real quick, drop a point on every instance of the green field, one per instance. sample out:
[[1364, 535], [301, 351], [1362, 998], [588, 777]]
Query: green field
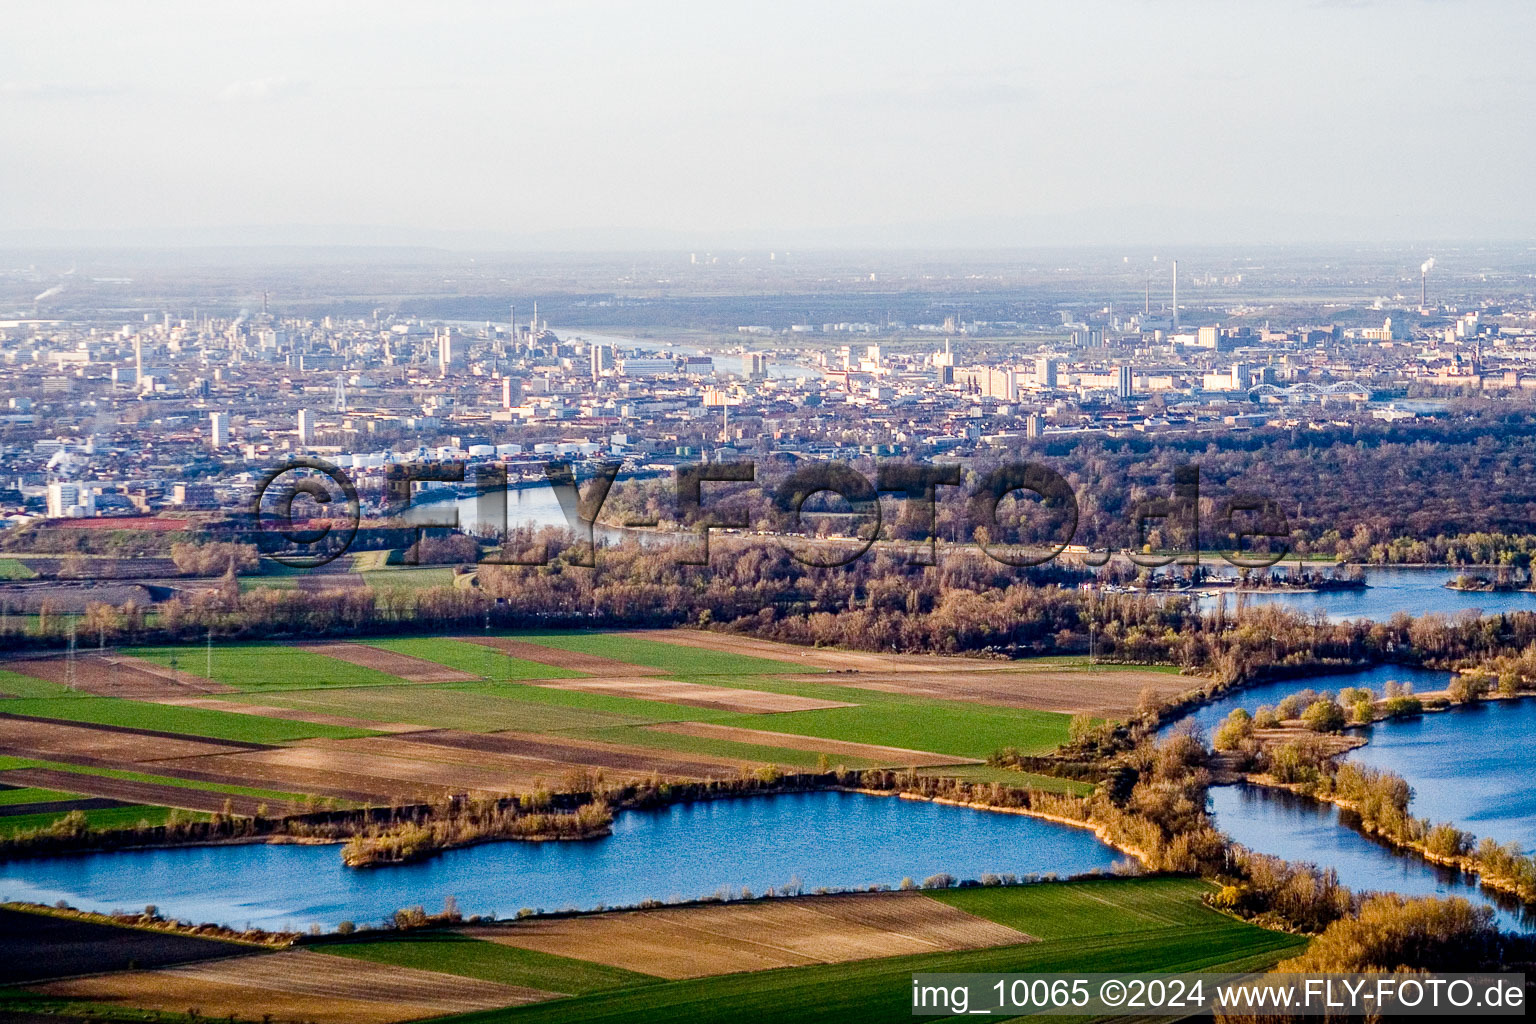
[[670, 658], [787, 757], [301, 679], [31, 795], [265, 666], [101, 818], [369, 561], [15, 569], [484, 707], [473, 658], [405, 577], [491, 961], [203, 722], [946, 727], [1010, 777], [1098, 907], [1106, 925], [18, 685]]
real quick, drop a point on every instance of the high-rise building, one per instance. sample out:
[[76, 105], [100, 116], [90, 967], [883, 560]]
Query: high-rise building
[[755, 365], [1125, 385], [1034, 425], [306, 427], [1045, 372], [447, 357], [602, 360], [511, 392], [218, 429], [69, 499]]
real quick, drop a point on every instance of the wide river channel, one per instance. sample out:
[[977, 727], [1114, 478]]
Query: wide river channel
[[1468, 766]]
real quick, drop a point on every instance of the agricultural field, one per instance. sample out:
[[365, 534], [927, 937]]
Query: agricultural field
[[841, 957], [1075, 927], [700, 941], [379, 720], [262, 666], [297, 985], [77, 946], [15, 569]]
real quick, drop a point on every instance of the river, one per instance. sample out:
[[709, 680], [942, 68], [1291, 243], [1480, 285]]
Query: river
[[832, 839], [1390, 590], [1299, 829]]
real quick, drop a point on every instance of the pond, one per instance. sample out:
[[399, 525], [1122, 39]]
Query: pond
[[831, 839]]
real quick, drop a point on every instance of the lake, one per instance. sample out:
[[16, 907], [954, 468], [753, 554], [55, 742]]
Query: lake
[[1298, 829], [831, 839], [1469, 766]]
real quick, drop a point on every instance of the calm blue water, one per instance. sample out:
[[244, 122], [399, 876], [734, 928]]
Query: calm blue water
[[688, 850], [1375, 679], [1470, 766], [1392, 590], [1298, 829]]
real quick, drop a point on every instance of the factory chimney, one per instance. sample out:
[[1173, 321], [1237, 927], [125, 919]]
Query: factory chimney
[[1175, 294], [1424, 270]]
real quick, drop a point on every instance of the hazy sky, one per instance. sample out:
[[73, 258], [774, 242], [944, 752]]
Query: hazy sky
[[726, 121]]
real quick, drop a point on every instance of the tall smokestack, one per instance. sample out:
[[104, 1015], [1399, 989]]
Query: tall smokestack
[[1175, 294], [1424, 269]]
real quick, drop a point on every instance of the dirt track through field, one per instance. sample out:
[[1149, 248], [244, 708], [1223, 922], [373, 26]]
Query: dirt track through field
[[112, 675], [691, 942], [30, 737], [153, 793], [894, 756], [415, 670], [571, 660], [696, 695], [300, 985]]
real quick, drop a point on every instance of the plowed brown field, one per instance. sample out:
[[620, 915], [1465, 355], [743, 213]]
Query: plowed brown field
[[24, 737], [690, 942], [111, 675], [299, 986], [415, 670]]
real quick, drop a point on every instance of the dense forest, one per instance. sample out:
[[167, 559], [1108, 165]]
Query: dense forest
[[1447, 489]]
